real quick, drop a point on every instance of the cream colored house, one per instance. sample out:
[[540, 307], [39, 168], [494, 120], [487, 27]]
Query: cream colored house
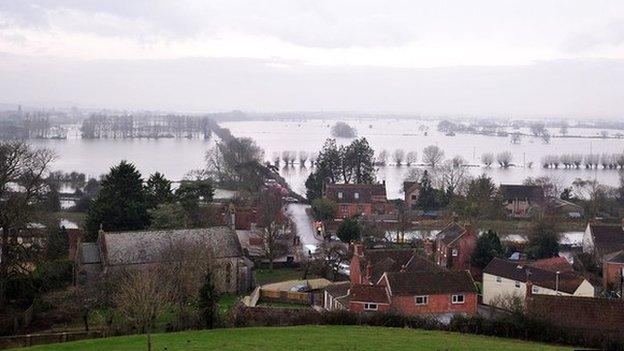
[[502, 278]]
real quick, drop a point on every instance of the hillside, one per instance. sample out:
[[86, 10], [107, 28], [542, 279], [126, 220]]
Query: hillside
[[304, 338]]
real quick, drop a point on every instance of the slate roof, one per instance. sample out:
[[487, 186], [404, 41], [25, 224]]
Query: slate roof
[[142, 247], [615, 257], [369, 293], [430, 283], [409, 186], [365, 192], [89, 253], [607, 238], [534, 193], [568, 281], [451, 233]]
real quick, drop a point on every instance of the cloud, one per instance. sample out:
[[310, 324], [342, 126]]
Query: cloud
[[606, 36]]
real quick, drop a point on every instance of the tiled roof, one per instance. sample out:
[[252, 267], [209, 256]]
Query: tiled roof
[[615, 257], [147, 246], [553, 264], [338, 289], [521, 192], [451, 233], [369, 293], [365, 192], [384, 260], [607, 238], [409, 186], [430, 283], [579, 312], [568, 281]]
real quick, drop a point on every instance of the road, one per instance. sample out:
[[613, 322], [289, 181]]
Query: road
[[303, 223]]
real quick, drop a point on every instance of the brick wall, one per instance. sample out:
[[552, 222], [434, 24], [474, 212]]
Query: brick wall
[[436, 304], [611, 274], [359, 307]]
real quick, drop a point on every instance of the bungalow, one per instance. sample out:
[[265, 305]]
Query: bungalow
[[502, 279], [521, 200], [600, 239], [359, 199], [143, 248], [454, 245]]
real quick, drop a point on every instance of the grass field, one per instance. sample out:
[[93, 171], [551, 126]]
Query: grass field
[[304, 338]]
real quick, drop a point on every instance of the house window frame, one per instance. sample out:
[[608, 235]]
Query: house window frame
[[454, 252], [425, 300], [499, 279], [455, 299], [370, 306], [356, 195], [517, 284], [340, 195]]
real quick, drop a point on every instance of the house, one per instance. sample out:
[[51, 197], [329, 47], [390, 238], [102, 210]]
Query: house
[[601, 239], [552, 264], [593, 316], [522, 200], [613, 271], [566, 208], [503, 278], [359, 199], [144, 248], [411, 191], [401, 281], [454, 245]]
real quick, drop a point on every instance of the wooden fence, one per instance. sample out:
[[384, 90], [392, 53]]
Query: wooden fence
[[286, 296]]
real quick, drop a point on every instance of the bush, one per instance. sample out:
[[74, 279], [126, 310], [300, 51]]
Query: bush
[[52, 275]]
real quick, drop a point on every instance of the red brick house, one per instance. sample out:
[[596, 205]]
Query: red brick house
[[454, 245], [612, 271], [600, 240], [359, 199], [521, 201], [403, 282]]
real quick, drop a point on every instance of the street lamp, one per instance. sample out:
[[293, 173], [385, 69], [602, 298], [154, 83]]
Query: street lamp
[[557, 283]]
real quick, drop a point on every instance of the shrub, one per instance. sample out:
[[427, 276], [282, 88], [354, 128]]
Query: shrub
[[52, 275]]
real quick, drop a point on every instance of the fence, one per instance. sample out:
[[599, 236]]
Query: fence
[[47, 338], [285, 296]]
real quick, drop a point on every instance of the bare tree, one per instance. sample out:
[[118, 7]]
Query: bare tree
[[327, 259], [142, 297], [303, 157], [458, 161], [312, 156], [487, 159], [451, 175], [432, 155], [411, 157], [22, 190], [546, 137], [516, 138], [398, 156], [382, 158], [504, 159], [276, 159], [272, 223]]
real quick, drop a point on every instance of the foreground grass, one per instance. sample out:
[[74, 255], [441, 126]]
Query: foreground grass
[[304, 338]]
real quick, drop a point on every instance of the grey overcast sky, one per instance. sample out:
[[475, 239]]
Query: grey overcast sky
[[498, 57]]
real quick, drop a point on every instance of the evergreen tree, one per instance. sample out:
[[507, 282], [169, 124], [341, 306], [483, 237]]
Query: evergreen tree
[[488, 246], [427, 196], [57, 244], [349, 230], [359, 159], [543, 240], [158, 190], [120, 204], [207, 301]]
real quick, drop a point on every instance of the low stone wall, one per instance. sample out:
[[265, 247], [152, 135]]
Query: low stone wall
[[46, 338]]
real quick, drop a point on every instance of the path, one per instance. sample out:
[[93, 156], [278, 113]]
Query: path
[[303, 223]]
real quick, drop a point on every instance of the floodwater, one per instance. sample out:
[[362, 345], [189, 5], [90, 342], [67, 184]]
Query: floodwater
[[175, 157]]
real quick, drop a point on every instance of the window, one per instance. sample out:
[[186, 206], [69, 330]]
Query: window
[[356, 195], [414, 197], [499, 279], [459, 298], [455, 252], [340, 194], [370, 307], [535, 289], [422, 300], [517, 284]]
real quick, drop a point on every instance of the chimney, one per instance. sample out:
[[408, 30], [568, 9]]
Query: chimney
[[358, 250], [369, 273], [529, 289]]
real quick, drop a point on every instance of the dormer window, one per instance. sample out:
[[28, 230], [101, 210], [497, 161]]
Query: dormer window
[[455, 252]]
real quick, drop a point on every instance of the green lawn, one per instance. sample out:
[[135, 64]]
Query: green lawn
[[304, 338]]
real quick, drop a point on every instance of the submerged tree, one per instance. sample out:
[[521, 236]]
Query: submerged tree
[[432, 155]]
